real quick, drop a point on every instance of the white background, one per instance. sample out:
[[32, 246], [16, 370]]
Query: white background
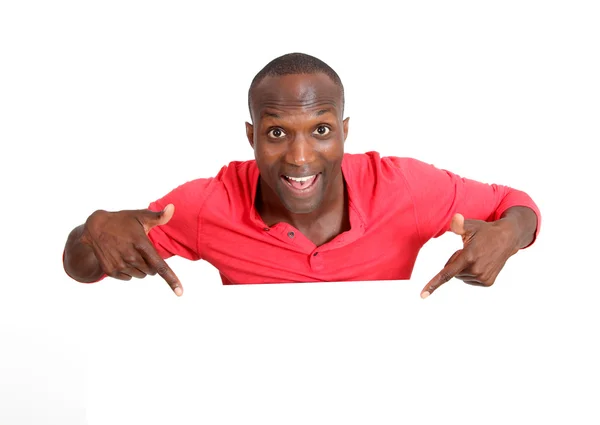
[[112, 104]]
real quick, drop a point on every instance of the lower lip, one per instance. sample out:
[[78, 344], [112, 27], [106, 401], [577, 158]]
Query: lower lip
[[306, 191]]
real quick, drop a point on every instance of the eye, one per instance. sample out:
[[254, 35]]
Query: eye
[[322, 130], [276, 133]]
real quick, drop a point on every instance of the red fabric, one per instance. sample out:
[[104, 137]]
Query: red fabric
[[396, 206]]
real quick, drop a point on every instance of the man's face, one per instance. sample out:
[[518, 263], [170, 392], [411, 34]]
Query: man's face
[[298, 137]]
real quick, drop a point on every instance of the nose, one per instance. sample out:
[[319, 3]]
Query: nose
[[301, 151]]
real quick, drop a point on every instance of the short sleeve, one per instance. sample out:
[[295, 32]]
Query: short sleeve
[[180, 236], [438, 194]]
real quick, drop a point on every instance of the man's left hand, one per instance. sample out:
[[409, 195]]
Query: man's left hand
[[486, 248]]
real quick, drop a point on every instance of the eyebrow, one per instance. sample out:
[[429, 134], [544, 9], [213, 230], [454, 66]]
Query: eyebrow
[[318, 113], [323, 111]]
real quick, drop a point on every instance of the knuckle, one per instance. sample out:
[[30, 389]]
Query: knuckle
[[130, 259], [445, 277], [470, 259], [139, 246], [96, 214], [162, 269], [477, 269], [95, 220], [121, 266]]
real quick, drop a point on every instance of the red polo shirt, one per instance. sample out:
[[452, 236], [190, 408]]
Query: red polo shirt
[[396, 206]]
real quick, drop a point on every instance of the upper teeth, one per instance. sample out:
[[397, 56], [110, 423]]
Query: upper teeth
[[300, 179]]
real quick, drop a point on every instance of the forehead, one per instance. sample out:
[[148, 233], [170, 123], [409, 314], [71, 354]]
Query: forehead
[[296, 93]]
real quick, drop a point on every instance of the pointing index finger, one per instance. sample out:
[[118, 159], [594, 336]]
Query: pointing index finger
[[454, 267], [162, 268]]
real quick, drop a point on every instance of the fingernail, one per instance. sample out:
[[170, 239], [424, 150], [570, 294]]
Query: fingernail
[[425, 294], [178, 291]]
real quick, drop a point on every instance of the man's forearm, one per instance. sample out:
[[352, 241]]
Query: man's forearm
[[80, 262], [525, 222]]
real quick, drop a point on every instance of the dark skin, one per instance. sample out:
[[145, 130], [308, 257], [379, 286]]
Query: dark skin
[[298, 131], [116, 243], [291, 104], [486, 247]]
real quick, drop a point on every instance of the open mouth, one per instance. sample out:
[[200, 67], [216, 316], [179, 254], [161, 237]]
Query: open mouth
[[301, 184]]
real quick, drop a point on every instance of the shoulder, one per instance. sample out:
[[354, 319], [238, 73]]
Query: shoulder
[[232, 181], [239, 173], [373, 166]]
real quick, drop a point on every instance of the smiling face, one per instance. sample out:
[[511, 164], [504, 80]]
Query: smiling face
[[298, 139]]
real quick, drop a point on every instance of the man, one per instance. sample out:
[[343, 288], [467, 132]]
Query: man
[[305, 211]]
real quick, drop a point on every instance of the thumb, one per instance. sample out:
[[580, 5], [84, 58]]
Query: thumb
[[465, 228], [457, 225], [150, 219]]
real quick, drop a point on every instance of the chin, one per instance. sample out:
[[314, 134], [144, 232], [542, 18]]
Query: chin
[[300, 204]]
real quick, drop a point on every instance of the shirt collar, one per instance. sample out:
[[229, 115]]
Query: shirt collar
[[356, 213]]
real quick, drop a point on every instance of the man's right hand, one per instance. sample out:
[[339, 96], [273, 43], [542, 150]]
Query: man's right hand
[[121, 245]]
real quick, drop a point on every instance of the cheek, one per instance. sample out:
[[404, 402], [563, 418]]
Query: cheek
[[266, 157], [262, 150], [334, 151]]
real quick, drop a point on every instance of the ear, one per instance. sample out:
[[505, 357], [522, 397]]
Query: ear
[[250, 134], [346, 128]]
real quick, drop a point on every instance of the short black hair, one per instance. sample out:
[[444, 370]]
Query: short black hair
[[293, 64]]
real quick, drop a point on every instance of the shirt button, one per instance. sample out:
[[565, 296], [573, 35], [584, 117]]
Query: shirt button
[[315, 254], [266, 229], [291, 234]]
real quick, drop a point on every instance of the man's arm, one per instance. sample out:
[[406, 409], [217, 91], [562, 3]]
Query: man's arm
[[494, 221], [525, 223], [135, 243], [439, 194], [115, 244]]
